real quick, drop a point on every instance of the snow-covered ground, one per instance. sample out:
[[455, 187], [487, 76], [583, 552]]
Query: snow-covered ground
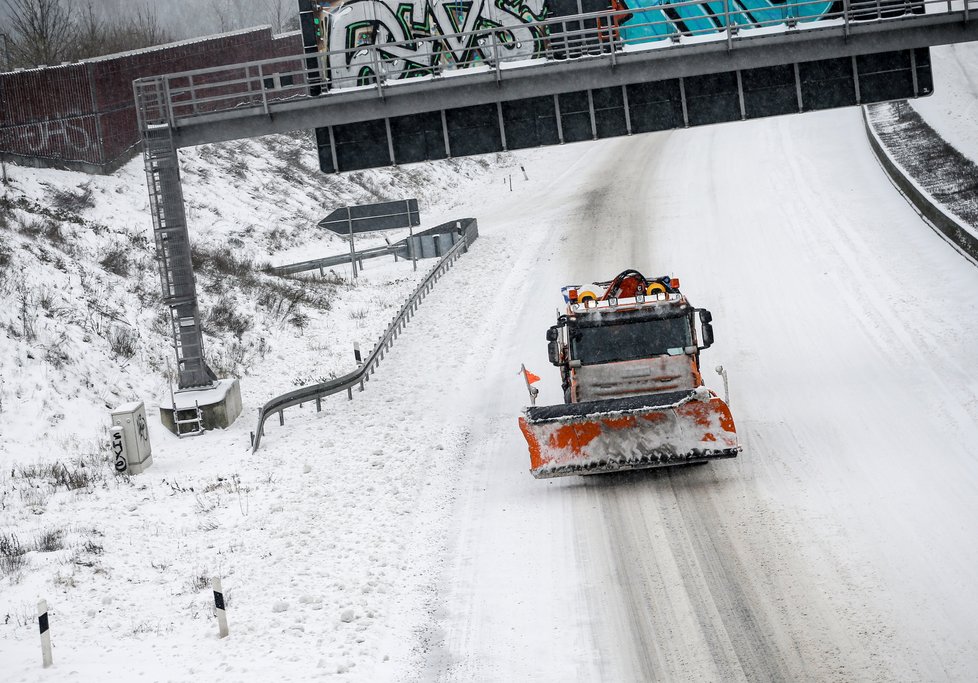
[[953, 108], [400, 537], [84, 331]]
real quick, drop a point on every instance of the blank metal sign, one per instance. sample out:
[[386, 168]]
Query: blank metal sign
[[370, 217]]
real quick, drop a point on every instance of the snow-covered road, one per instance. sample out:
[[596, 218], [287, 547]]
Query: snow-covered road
[[841, 544], [401, 537]]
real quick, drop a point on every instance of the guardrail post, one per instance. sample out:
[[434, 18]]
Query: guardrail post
[[281, 418], [495, 56], [261, 84], [169, 101], [376, 62], [726, 20], [193, 95]]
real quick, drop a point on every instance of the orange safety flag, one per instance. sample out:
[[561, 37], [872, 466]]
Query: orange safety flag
[[530, 377]]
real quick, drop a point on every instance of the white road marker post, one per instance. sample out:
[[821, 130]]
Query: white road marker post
[[726, 387], [222, 617], [529, 386], [42, 622], [356, 354]]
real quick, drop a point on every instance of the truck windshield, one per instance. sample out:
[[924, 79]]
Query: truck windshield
[[629, 341]]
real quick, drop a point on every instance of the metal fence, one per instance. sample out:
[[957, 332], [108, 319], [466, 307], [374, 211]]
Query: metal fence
[[608, 35], [360, 376]]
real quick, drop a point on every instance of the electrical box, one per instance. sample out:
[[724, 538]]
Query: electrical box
[[130, 438]]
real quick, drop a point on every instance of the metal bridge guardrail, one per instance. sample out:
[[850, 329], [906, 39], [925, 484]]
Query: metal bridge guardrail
[[316, 392], [261, 84]]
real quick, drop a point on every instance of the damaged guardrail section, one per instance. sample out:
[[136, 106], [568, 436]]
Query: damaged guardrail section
[[359, 377]]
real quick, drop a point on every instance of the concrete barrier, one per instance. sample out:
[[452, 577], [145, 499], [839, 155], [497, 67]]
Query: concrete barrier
[[952, 228]]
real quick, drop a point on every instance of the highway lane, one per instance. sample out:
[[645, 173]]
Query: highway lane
[[836, 547]]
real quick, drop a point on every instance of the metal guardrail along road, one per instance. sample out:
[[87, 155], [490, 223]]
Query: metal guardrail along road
[[317, 392]]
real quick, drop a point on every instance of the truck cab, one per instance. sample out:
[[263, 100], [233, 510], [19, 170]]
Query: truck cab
[[618, 348]]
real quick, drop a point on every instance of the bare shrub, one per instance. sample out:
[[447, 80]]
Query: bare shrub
[[299, 320], [6, 262], [12, 554], [54, 233], [223, 316], [73, 201], [199, 581], [56, 357], [56, 474], [117, 261], [27, 309], [239, 169], [49, 541], [123, 341], [32, 227]]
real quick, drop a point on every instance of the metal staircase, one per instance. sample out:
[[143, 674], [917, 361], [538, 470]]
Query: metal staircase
[[172, 239], [188, 421]]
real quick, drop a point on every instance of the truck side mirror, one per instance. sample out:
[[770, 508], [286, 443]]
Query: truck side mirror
[[553, 350], [707, 335], [705, 316], [552, 334]]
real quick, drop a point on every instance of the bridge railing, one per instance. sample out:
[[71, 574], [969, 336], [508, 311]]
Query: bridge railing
[[178, 97], [358, 378]]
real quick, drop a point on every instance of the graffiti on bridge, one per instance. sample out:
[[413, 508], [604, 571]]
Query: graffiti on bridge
[[498, 29], [396, 39]]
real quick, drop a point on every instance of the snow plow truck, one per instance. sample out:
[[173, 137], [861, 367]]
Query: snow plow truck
[[629, 357]]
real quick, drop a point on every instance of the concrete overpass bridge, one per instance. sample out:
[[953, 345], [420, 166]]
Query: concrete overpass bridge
[[500, 86]]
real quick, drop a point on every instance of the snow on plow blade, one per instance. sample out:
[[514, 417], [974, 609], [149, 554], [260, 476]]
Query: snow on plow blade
[[629, 433]]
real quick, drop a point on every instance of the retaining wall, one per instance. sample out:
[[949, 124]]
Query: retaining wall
[[954, 179]]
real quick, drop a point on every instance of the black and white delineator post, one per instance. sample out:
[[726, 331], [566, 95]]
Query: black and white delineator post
[[42, 622], [356, 354], [222, 617], [353, 251]]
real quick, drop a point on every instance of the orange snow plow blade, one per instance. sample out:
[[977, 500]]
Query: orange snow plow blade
[[656, 430]]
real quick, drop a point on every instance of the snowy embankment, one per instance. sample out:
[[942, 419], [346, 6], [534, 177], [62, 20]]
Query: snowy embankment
[[124, 562], [952, 110]]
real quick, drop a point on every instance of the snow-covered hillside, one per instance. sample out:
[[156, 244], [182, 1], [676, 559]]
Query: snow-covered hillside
[[84, 331], [953, 108]]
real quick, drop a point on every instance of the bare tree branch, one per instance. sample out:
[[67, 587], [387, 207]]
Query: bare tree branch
[[42, 31]]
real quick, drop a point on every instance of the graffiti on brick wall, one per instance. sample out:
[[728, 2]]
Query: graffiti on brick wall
[[69, 139], [53, 136], [498, 30]]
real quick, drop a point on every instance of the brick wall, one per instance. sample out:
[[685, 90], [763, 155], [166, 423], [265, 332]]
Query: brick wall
[[82, 115]]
